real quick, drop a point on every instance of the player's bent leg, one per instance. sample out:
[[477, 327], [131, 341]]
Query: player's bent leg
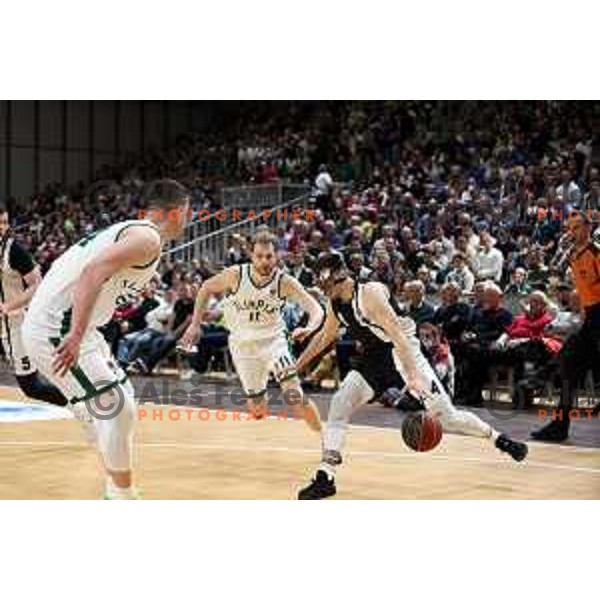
[[454, 420], [353, 393]]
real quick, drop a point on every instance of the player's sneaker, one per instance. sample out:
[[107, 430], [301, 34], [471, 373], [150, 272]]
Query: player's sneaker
[[555, 431], [322, 486], [109, 494], [82, 414], [517, 450]]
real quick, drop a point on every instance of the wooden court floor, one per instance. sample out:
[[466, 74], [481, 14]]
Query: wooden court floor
[[229, 457]]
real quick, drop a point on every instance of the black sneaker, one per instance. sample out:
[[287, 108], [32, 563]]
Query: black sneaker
[[555, 431], [322, 486], [518, 450]]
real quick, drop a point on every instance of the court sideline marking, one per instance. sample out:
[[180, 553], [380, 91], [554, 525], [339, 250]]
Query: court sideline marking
[[286, 449]]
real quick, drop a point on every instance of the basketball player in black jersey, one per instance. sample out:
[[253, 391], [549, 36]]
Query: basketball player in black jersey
[[392, 357], [19, 278]]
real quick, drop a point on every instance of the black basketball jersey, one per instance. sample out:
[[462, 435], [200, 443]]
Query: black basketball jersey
[[370, 334], [375, 362]]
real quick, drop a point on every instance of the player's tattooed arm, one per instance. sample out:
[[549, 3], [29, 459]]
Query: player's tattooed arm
[[292, 290], [222, 283], [138, 246], [378, 310], [320, 343]]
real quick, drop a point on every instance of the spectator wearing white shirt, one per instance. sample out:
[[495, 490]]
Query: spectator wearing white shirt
[[461, 274], [324, 191], [489, 260], [568, 191]]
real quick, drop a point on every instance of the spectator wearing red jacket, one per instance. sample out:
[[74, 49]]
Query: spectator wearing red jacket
[[527, 346]]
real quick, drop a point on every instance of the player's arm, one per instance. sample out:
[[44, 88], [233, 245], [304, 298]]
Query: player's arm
[[378, 310], [225, 281], [291, 289], [221, 283], [137, 246], [320, 343]]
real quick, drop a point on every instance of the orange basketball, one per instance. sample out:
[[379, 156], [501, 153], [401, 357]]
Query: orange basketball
[[421, 431]]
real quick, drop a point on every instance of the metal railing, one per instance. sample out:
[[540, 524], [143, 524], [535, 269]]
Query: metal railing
[[210, 238], [263, 196]]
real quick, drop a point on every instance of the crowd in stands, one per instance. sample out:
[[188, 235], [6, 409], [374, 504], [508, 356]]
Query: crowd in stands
[[458, 207]]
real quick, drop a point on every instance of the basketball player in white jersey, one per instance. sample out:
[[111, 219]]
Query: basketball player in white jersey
[[81, 291], [392, 357], [19, 278], [255, 296]]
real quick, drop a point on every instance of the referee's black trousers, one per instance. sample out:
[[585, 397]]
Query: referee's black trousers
[[580, 353]]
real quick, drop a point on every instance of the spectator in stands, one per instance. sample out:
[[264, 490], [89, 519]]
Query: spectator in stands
[[213, 337], [568, 316], [538, 272], [333, 238], [324, 191], [591, 200], [296, 266], [568, 192], [452, 316], [382, 268], [475, 353], [518, 284], [356, 264], [526, 345], [162, 346], [426, 277], [489, 260], [418, 309], [460, 274], [237, 253], [136, 344]]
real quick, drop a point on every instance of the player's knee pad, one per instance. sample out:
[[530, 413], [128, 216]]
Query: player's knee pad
[[353, 392], [115, 432]]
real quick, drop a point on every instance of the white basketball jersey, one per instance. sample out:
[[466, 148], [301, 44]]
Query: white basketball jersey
[[254, 312], [52, 303]]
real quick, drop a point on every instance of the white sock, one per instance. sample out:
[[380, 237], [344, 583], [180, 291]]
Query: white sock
[[329, 469]]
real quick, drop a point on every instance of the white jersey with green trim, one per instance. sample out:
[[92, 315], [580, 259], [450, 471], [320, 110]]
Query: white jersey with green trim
[[254, 312], [52, 304]]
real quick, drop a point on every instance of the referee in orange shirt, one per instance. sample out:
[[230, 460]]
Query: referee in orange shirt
[[582, 349]]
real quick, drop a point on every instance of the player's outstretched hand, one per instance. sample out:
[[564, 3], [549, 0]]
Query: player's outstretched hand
[[66, 355], [190, 338]]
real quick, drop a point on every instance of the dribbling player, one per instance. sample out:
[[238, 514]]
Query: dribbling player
[[80, 293], [255, 296], [392, 356]]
